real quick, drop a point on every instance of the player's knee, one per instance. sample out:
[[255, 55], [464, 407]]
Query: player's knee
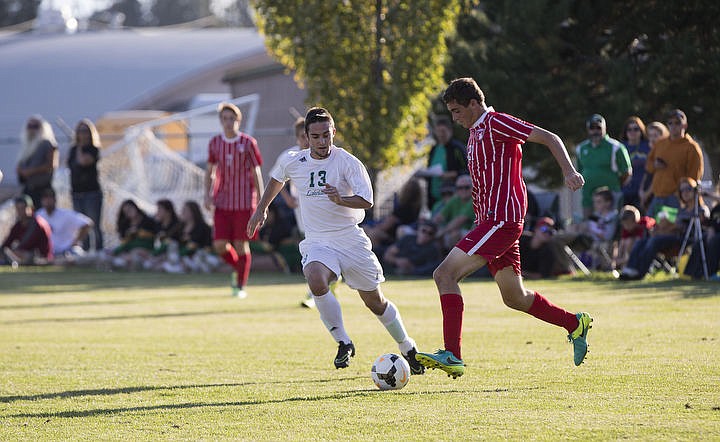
[[317, 285], [515, 299]]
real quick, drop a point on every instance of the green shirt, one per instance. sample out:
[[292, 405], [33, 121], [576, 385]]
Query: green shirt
[[456, 207], [602, 165]]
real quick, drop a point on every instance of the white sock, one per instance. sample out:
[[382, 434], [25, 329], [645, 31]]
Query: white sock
[[393, 323], [331, 316]]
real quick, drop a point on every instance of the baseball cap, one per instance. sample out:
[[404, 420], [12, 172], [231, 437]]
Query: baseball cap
[[677, 113], [595, 119]]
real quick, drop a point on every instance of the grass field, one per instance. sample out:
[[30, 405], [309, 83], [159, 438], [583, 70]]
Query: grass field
[[87, 355]]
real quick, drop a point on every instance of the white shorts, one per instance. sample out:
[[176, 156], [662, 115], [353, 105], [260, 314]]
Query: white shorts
[[350, 256]]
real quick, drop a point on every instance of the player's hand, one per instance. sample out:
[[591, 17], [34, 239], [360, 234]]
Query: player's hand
[[256, 221], [208, 202], [332, 193], [574, 181]]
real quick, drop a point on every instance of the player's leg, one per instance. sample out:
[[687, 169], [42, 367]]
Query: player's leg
[[457, 265], [389, 316], [244, 261], [517, 297], [222, 245], [321, 267], [241, 244]]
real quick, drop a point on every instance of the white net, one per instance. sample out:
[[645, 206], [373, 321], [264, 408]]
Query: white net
[[142, 168]]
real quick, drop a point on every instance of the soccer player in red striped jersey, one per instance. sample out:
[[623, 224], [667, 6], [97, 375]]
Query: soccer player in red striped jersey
[[500, 201], [232, 181]]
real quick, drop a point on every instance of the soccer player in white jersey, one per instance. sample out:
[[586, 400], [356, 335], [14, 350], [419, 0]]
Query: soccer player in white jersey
[[334, 190]]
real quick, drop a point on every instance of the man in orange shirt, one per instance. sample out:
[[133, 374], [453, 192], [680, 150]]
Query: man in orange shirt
[[670, 160]]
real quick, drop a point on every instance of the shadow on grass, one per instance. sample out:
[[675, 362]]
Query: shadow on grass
[[127, 390], [53, 279], [189, 405], [150, 316]]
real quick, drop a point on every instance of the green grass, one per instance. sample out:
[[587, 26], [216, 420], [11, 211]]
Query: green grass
[[87, 355]]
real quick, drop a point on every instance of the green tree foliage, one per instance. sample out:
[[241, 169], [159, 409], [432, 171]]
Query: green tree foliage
[[373, 65], [556, 62], [13, 12]]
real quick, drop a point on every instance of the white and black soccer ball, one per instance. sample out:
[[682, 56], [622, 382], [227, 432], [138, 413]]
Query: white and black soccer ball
[[390, 372]]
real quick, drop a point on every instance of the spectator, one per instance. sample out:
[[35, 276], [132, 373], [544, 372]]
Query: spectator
[[457, 217], [670, 160], [538, 257], [87, 197], [37, 159], [168, 226], [635, 140], [603, 162], [446, 193], [446, 161], [414, 254], [405, 212], [195, 243], [137, 236], [69, 228], [655, 131], [668, 232], [633, 227], [30, 238]]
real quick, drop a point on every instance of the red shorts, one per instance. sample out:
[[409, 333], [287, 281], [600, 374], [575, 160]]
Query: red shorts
[[497, 242], [231, 225]]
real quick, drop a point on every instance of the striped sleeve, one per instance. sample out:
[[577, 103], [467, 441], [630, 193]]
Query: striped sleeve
[[512, 127]]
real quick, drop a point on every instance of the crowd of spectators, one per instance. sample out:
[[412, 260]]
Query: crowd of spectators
[[639, 205]]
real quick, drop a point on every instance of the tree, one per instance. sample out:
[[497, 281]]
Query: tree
[[13, 12], [373, 65], [617, 58]]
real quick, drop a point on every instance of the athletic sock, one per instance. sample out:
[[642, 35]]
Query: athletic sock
[[546, 311], [452, 309], [243, 269], [393, 323], [231, 257], [331, 316]]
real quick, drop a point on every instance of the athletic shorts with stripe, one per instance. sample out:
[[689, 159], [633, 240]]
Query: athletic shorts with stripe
[[497, 242], [349, 255]]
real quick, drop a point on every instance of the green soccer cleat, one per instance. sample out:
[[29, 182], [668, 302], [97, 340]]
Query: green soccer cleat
[[579, 337], [444, 360]]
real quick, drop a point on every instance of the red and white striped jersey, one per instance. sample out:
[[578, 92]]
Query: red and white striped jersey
[[234, 159], [495, 164]]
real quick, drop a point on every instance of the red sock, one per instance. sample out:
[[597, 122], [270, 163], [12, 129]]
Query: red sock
[[545, 310], [231, 257], [452, 309], [243, 269]]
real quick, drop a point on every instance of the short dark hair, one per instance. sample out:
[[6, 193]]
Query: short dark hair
[[462, 90], [317, 115]]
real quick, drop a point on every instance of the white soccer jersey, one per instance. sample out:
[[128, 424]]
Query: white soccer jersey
[[323, 218]]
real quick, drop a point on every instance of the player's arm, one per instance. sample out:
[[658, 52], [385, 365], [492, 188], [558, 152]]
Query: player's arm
[[260, 215], [209, 174], [573, 179], [257, 177], [352, 201]]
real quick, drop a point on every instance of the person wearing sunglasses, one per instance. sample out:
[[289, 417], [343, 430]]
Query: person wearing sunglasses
[[603, 161], [671, 159]]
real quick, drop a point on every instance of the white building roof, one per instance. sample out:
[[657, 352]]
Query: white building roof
[[87, 74]]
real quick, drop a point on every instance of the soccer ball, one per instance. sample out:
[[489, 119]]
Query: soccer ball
[[390, 372]]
